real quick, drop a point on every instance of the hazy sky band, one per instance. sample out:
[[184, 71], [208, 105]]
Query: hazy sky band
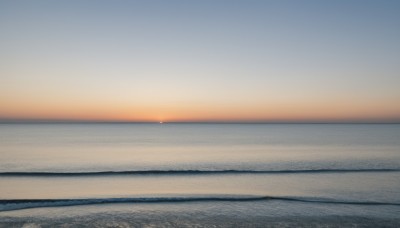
[[200, 60]]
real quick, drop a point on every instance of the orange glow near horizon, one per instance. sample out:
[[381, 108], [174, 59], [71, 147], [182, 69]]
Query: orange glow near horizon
[[307, 112]]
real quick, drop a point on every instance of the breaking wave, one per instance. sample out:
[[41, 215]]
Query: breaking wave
[[16, 204], [194, 172]]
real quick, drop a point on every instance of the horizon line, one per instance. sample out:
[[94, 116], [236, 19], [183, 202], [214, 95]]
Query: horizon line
[[77, 121]]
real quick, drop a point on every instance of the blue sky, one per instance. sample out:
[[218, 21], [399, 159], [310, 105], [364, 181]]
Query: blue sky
[[200, 60]]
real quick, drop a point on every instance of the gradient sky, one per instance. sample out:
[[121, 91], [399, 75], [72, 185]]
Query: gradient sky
[[334, 60]]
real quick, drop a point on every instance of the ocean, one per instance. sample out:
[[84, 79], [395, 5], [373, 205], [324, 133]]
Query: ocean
[[199, 175]]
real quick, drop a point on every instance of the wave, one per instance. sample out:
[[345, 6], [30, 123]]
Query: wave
[[194, 172], [17, 204]]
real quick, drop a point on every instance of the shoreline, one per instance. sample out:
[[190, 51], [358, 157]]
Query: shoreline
[[178, 220]]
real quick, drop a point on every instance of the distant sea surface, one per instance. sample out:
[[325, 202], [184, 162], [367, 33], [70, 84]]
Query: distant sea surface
[[199, 175]]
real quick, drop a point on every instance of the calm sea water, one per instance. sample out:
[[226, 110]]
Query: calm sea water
[[187, 175]]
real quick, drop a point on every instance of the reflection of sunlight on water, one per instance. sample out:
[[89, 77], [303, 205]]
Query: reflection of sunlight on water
[[31, 225], [369, 186]]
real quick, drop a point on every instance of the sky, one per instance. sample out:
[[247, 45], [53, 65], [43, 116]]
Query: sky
[[208, 60]]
